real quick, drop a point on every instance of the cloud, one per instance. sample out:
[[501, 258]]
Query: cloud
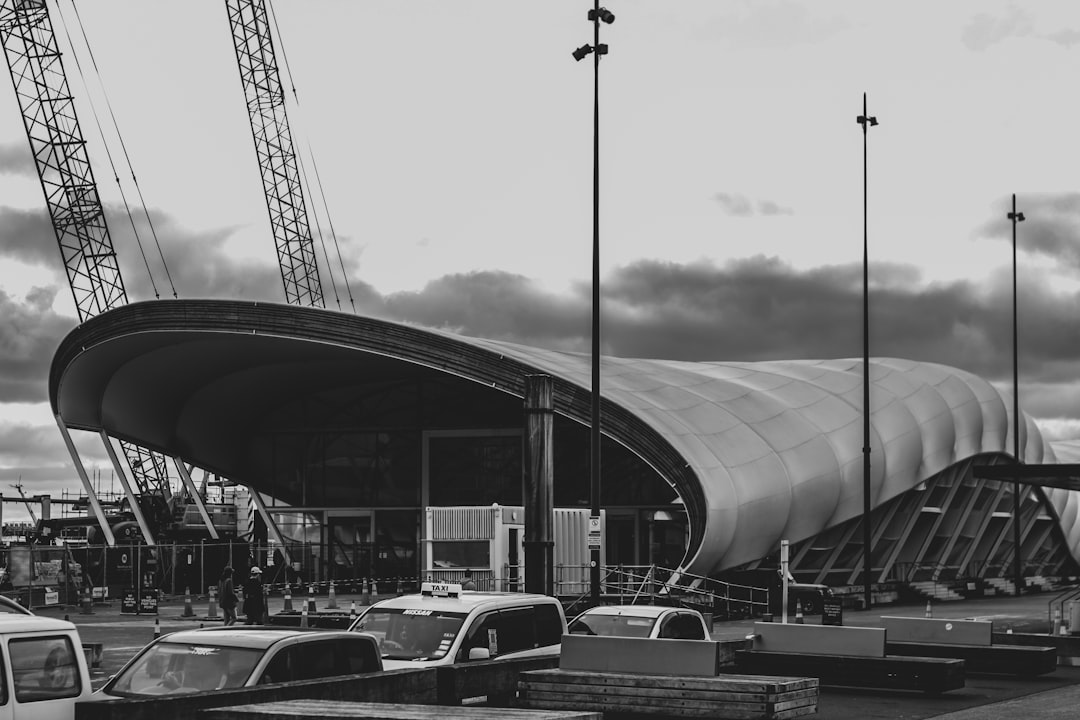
[[985, 29], [741, 206], [772, 24], [29, 334], [26, 446], [1051, 227], [27, 236], [15, 159]]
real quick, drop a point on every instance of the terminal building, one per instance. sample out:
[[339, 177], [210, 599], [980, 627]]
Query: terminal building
[[346, 428]]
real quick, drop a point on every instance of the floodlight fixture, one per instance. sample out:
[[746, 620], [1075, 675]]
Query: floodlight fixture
[[584, 50], [1018, 217], [864, 120], [603, 14]]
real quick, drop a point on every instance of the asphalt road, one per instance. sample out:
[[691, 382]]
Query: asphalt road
[[1056, 695]]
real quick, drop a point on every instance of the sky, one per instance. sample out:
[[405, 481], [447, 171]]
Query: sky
[[452, 142]]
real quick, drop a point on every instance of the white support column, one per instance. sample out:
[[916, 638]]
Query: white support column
[[148, 537], [185, 477], [94, 504], [271, 526]]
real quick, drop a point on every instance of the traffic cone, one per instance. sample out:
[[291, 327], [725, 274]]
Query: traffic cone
[[211, 612], [331, 603], [1057, 622], [929, 610], [365, 594], [157, 627], [400, 588], [288, 600], [311, 599], [303, 616], [188, 612], [352, 609], [87, 602], [798, 612]]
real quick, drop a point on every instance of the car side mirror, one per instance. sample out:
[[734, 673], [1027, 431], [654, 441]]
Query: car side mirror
[[479, 653]]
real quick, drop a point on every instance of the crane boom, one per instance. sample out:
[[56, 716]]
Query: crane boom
[[63, 167], [274, 147]]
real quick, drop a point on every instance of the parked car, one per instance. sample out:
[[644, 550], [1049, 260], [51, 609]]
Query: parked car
[[444, 624], [48, 668], [643, 621], [7, 605], [240, 656]]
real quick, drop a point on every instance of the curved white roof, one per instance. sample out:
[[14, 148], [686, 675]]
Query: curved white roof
[[777, 445]]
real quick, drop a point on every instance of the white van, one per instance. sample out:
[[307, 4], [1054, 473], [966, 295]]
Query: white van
[[43, 669], [444, 625]]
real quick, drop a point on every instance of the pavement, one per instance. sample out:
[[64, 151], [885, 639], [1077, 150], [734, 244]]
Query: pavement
[[988, 697]]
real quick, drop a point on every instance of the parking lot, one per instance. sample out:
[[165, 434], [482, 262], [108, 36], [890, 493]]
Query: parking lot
[[986, 697]]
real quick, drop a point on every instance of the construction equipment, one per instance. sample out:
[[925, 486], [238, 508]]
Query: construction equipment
[[274, 148], [78, 219]]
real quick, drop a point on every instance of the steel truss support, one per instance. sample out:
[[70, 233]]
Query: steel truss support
[[95, 505], [185, 477], [148, 536], [271, 526]]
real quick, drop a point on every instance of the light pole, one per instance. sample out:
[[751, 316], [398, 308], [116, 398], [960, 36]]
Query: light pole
[[867, 122], [1016, 217], [595, 16]]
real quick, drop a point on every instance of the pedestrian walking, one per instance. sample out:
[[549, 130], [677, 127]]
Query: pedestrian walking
[[468, 583], [227, 595], [254, 598]]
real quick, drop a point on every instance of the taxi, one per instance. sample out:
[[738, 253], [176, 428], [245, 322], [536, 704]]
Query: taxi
[[444, 624]]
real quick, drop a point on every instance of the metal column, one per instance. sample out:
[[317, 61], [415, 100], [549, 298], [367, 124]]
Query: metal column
[[185, 477], [94, 504], [148, 537]]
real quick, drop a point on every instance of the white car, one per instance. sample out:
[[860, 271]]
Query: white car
[[240, 656], [444, 625], [43, 670], [643, 621]]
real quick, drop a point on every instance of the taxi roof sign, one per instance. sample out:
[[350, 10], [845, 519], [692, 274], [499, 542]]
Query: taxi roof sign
[[431, 589]]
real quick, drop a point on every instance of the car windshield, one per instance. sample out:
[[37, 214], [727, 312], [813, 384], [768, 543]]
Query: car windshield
[[174, 668], [411, 633], [620, 625]]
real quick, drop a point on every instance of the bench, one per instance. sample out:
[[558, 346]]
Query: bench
[[293, 709], [843, 656], [662, 677], [1067, 646], [968, 640]]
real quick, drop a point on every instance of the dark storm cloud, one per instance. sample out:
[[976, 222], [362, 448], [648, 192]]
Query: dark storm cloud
[[760, 309], [29, 334], [15, 159], [741, 206], [27, 236], [1051, 227]]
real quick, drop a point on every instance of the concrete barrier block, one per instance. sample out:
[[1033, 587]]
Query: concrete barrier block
[[819, 639], [938, 630]]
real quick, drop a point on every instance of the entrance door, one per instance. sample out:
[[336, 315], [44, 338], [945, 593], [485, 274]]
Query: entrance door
[[349, 547]]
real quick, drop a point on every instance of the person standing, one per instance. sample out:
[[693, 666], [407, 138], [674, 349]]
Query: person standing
[[254, 601], [467, 583], [227, 595]]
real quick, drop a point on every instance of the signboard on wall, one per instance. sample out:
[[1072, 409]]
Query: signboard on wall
[[129, 602]]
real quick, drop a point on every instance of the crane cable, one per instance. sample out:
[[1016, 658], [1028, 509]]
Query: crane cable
[[315, 168], [123, 146]]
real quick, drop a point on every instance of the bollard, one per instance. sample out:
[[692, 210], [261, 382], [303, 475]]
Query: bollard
[[288, 599], [188, 612], [87, 602], [365, 594], [400, 588], [798, 612], [929, 610], [352, 609], [304, 615], [67, 618], [157, 627], [1057, 622], [311, 599], [331, 602], [211, 612], [374, 589]]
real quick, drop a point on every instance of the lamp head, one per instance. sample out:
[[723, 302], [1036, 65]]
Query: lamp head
[[582, 51], [603, 14]]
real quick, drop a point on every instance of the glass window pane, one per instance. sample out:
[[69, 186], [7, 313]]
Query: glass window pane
[[44, 668]]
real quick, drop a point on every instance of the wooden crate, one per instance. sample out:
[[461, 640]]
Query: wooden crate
[[738, 697], [926, 674]]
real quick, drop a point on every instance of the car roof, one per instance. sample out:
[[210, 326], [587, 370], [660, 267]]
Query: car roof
[[248, 636], [12, 623], [7, 605], [463, 603], [651, 611]]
